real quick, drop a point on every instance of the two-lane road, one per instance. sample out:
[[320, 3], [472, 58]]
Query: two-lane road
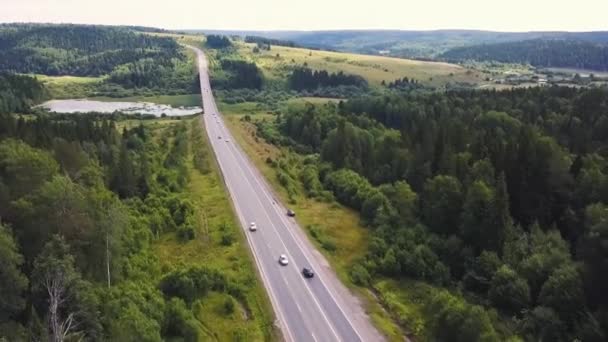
[[317, 309]]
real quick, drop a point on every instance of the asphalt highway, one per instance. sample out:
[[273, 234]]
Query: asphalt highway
[[307, 309]]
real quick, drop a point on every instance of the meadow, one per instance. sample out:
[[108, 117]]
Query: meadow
[[277, 62]]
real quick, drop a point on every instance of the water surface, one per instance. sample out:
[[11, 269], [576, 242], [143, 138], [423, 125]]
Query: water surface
[[85, 106]]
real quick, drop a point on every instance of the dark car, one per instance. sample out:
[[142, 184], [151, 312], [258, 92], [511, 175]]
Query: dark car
[[291, 213], [308, 273]]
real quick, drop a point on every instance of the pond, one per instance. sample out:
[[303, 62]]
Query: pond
[[85, 106]]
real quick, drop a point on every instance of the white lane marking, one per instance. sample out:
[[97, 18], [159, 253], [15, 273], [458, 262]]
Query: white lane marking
[[282, 219], [306, 286], [272, 295], [256, 196], [313, 337], [298, 306], [296, 240]]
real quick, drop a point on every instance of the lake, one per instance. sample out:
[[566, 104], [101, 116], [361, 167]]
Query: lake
[[85, 106]]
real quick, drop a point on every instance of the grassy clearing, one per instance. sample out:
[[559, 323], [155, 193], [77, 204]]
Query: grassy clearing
[[323, 222], [276, 63], [64, 87]]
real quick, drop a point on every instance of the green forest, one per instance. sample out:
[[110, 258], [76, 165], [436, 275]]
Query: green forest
[[129, 62], [565, 53], [498, 196], [96, 211]]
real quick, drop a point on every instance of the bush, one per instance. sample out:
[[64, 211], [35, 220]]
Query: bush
[[453, 319], [186, 233], [179, 322], [227, 239], [359, 275], [228, 306], [188, 284]]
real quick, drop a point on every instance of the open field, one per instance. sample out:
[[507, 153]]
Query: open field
[[64, 87], [276, 63]]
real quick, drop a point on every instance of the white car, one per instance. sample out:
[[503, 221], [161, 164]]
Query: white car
[[253, 227], [283, 260]]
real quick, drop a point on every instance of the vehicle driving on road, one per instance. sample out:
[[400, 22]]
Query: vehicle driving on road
[[253, 227], [283, 260], [308, 273], [291, 213]]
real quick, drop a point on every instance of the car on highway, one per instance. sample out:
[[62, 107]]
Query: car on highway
[[307, 272], [283, 260], [291, 213], [253, 227]]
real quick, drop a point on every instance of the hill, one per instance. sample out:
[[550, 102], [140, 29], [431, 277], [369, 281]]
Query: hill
[[279, 61], [538, 52], [125, 60], [413, 44]]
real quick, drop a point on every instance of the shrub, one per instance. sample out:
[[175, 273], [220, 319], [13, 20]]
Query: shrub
[[227, 239], [186, 233], [228, 306], [359, 275]]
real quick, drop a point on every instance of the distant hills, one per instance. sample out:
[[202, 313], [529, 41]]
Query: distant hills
[[422, 44], [579, 54]]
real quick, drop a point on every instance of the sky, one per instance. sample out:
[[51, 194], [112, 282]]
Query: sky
[[505, 15]]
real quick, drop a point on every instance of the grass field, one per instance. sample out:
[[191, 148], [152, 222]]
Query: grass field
[[276, 63], [64, 87]]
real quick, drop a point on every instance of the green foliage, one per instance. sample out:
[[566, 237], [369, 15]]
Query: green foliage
[[217, 42], [359, 275], [483, 190], [238, 74], [441, 203], [538, 52], [77, 49], [306, 79], [482, 272], [109, 206], [544, 324], [191, 283], [563, 292], [24, 168], [228, 306], [455, 320], [325, 242], [134, 63], [179, 322], [12, 281], [508, 291], [403, 199], [19, 93]]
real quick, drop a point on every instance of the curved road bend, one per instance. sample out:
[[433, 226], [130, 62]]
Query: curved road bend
[[318, 309]]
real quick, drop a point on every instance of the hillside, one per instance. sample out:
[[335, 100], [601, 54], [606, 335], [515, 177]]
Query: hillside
[[278, 62], [538, 52], [124, 60], [404, 43]]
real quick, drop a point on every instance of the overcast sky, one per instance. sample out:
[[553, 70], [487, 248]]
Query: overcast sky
[[504, 15]]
